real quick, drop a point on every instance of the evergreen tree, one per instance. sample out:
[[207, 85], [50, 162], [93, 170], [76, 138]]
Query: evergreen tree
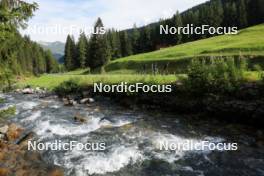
[[135, 39], [145, 40], [126, 48], [69, 57], [82, 50], [99, 49], [242, 14], [51, 63], [230, 14], [177, 23]]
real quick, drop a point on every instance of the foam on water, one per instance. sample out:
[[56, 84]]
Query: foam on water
[[162, 140], [101, 163], [33, 117], [27, 105]]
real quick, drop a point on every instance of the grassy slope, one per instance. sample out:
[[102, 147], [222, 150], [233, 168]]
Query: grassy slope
[[249, 42], [53, 80]]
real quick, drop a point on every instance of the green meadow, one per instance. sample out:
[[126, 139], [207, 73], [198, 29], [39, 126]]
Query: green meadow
[[50, 81], [248, 42]]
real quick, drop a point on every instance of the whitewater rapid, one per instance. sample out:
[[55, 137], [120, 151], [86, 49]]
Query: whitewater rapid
[[132, 138]]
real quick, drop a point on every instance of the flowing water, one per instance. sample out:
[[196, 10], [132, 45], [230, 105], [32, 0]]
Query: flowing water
[[132, 139]]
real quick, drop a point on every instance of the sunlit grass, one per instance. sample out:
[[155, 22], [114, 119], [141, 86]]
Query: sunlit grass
[[50, 81], [248, 42]]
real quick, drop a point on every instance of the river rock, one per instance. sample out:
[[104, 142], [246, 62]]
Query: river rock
[[69, 102], [79, 118], [28, 91], [91, 100], [84, 101], [2, 137], [87, 100], [14, 132], [4, 129]]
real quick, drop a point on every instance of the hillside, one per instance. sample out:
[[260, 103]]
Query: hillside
[[248, 43]]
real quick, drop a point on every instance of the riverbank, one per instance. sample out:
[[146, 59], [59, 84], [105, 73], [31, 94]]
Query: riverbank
[[245, 105], [132, 136], [16, 159]]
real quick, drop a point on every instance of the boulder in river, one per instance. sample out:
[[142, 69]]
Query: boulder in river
[[79, 118], [69, 102], [28, 91], [13, 133], [4, 129], [87, 100]]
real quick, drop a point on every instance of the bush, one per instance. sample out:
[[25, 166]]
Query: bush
[[69, 87], [216, 75]]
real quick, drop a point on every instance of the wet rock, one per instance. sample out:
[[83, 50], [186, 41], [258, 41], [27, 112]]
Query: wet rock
[[28, 91], [69, 102], [79, 118], [13, 133], [4, 129], [18, 90], [17, 160], [2, 137], [4, 171], [87, 100], [91, 100], [56, 172], [84, 101]]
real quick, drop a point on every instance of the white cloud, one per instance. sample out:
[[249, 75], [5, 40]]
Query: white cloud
[[120, 14]]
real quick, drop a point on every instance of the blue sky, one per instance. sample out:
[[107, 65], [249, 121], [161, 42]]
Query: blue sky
[[56, 18]]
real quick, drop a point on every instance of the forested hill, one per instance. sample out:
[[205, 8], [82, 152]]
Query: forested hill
[[226, 13], [19, 55], [216, 13]]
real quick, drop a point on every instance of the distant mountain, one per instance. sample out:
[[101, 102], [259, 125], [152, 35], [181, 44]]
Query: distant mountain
[[57, 49]]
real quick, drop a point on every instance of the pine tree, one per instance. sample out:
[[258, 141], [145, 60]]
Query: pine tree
[[242, 14], [51, 63], [178, 23], [117, 45], [82, 50], [145, 40], [135, 39], [69, 55], [99, 49], [230, 14], [126, 48]]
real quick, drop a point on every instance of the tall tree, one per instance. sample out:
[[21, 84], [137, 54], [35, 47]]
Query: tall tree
[[69, 55], [99, 49], [145, 40], [242, 14], [82, 50], [135, 39], [177, 23], [126, 47]]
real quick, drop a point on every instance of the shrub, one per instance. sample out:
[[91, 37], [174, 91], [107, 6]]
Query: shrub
[[215, 75], [69, 87]]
